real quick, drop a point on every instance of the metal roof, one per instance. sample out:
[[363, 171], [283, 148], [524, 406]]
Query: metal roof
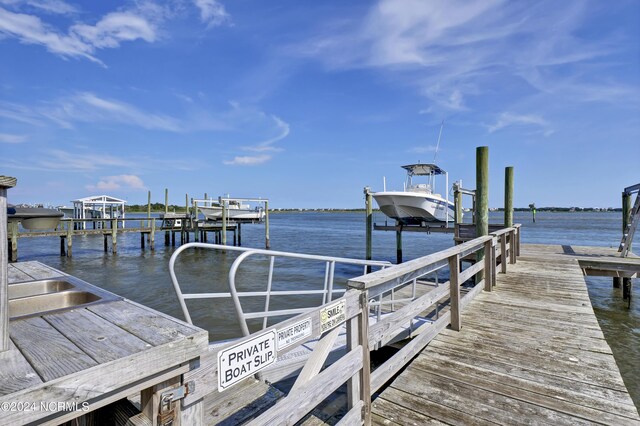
[[423, 169], [100, 199]]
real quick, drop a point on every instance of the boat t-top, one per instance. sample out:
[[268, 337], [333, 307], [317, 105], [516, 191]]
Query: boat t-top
[[418, 202]]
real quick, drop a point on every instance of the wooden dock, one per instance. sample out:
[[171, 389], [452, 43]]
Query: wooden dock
[[531, 351]]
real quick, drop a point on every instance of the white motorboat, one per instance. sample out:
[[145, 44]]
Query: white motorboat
[[235, 210], [34, 218], [418, 203]]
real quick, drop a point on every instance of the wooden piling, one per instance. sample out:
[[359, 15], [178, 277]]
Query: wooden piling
[[14, 242], [224, 223], [70, 228], [239, 234], [457, 201], [267, 242], [626, 217], [508, 197], [398, 242], [6, 183], [114, 236], [482, 199], [166, 210], [369, 225], [152, 237]]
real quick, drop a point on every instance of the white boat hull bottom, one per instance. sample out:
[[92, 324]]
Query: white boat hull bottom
[[215, 213], [414, 209]]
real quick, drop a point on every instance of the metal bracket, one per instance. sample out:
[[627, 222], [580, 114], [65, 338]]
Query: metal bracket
[[168, 398]]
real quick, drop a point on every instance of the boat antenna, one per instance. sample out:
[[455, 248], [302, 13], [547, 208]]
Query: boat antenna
[[438, 144]]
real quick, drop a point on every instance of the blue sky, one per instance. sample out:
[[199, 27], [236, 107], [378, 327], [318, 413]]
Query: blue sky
[[307, 102]]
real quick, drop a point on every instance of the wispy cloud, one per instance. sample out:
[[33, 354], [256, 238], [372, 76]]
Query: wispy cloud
[[61, 160], [278, 126], [82, 40], [119, 182], [89, 107], [508, 119], [9, 138], [423, 149], [57, 7], [453, 51], [248, 160], [212, 13]]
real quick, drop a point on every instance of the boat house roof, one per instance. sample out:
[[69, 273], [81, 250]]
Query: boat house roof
[[100, 199], [423, 169]]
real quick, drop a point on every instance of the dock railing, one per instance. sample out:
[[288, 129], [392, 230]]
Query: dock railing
[[327, 292], [315, 382]]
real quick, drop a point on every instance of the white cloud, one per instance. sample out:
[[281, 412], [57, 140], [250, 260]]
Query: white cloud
[[58, 7], [9, 138], [507, 119], [82, 40], [248, 160], [78, 162], [451, 51], [283, 129], [114, 28], [111, 183], [89, 107], [212, 13], [423, 149]]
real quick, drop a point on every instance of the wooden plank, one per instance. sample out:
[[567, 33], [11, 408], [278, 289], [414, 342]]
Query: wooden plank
[[151, 326], [386, 371], [292, 408], [241, 403], [49, 352], [16, 372], [486, 405], [15, 275], [385, 329], [411, 409], [37, 270], [353, 416], [206, 376], [97, 337], [561, 399], [105, 383], [317, 359]]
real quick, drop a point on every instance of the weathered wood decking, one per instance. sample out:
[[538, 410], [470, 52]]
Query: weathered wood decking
[[529, 352]]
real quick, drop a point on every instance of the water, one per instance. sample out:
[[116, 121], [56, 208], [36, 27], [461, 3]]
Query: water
[[143, 276]]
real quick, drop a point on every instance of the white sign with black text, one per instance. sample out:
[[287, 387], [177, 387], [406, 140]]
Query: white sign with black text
[[289, 335], [333, 315], [245, 359]]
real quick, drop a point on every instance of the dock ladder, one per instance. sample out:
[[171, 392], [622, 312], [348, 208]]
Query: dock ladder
[[634, 218]]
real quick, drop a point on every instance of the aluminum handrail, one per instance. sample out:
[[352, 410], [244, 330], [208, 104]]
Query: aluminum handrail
[[233, 293]]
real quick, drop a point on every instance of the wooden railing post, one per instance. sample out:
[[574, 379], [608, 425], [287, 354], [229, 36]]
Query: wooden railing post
[[503, 253], [6, 182], [512, 246], [454, 291], [489, 264], [359, 386]]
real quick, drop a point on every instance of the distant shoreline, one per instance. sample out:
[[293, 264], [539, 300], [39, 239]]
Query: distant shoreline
[[276, 211]]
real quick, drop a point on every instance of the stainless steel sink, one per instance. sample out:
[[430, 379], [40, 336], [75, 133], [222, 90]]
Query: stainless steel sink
[[33, 298], [34, 288]]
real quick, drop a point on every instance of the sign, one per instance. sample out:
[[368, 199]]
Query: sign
[[333, 315], [245, 359], [294, 333]]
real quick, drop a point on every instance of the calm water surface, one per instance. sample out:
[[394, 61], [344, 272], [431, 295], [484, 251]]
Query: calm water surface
[[143, 276]]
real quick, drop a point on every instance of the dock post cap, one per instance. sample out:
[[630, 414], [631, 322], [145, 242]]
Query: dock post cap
[[7, 181]]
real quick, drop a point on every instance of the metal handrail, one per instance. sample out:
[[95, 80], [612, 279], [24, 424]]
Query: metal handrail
[[233, 293]]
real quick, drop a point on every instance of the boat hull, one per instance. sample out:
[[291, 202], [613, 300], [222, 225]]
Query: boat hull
[[215, 213], [414, 208]]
